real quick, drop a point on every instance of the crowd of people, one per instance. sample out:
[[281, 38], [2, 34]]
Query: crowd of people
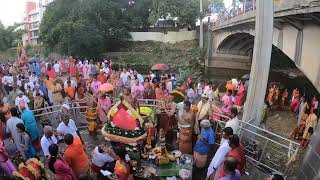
[[29, 88], [305, 109]]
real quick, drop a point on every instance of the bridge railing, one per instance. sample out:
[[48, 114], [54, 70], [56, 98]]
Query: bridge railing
[[264, 149], [233, 11]]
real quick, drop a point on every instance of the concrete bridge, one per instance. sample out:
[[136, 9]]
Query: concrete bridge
[[296, 33]]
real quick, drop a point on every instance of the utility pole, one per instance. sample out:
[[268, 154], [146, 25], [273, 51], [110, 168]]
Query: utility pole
[[201, 27], [254, 104]]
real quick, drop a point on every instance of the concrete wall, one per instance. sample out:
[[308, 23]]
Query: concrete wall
[[170, 37], [310, 58], [289, 41]]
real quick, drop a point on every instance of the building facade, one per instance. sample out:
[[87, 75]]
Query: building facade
[[33, 16]]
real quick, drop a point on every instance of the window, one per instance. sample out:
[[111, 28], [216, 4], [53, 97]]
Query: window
[[35, 33], [34, 25]]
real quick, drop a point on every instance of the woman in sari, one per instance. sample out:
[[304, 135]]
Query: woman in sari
[[58, 166], [271, 95], [72, 68], [128, 97], [63, 66], [104, 104], [284, 97], [50, 72], [95, 87], [240, 97], [137, 90], [298, 131], [148, 91], [295, 102], [311, 124], [80, 68], [5, 163], [159, 92]]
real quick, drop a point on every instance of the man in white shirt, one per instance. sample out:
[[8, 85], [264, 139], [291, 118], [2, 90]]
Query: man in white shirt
[[67, 126], [56, 68], [22, 100], [28, 84], [169, 85], [7, 82], [101, 156], [216, 163], [124, 77], [234, 122], [12, 121], [33, 78], [139, 77], [47, 139]]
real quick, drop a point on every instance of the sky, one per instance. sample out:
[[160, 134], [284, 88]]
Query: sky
[[12, 11]]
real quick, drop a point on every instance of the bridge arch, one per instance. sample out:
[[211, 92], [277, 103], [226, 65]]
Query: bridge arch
[[237, 44]]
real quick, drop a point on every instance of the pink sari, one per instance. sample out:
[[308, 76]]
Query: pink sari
[[72, 68], [63, 66], [95, 87], [227, 104], [103, 107]]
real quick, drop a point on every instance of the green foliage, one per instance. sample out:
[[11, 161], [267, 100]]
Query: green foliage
[[84, 28], [137, 13], [216, 6], [9, 36], [187, 11]]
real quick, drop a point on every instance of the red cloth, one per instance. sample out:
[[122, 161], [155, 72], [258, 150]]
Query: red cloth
[[294, 105], [240, 94], [63, 171], [51, 73], [102, 78], [124, 120], [238, 154], [63, 66], [72, 69]]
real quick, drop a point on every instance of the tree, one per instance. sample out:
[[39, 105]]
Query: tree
[[138, 12], [186, 11], [84, 28], [217, 6], [9, 36]]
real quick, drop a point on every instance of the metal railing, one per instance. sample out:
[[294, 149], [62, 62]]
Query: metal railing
[[264, 149], [236, 10], [50, 115]]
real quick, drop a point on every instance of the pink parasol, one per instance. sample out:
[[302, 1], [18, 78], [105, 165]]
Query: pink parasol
[[106, 87], [160, 67]]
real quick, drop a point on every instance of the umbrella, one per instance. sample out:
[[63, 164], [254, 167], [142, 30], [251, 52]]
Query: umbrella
[[160, 67], [106, 87]]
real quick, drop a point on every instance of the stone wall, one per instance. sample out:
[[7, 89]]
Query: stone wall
[[169, 37]]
